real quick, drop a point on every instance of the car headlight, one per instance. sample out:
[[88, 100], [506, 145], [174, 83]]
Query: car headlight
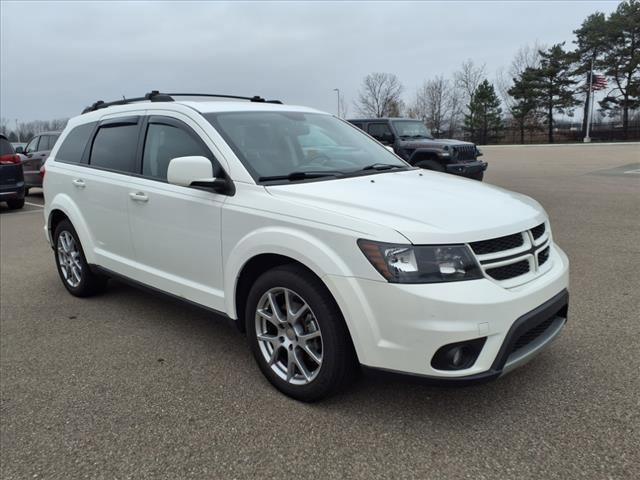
[[421, 264]]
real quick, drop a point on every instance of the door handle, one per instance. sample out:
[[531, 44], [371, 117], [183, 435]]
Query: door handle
[[78, 183], [138, 197]]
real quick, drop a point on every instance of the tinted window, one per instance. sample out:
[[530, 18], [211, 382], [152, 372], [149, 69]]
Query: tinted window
[[32, 146], [115, 148], [46, 142], [5, 147], [74, 144], [165, 142], [377, 130], [359, 125]]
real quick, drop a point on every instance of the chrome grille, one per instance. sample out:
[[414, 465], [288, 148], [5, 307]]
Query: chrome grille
[[509, 271], [497, 244], [515, 259], [543, 256], [538, 231]]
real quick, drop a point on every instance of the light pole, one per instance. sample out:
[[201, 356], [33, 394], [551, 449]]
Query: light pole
[[17, 131], [337, 90], [587, 138]]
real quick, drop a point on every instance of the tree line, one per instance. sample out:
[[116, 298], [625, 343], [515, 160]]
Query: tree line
[[540, 83], [25, 131]]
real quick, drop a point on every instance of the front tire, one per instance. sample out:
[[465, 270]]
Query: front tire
[[297, 334], [72, 265]]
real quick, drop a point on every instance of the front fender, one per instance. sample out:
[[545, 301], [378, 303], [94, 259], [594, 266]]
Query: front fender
[[63, 202], [300, 246], [419, 152]]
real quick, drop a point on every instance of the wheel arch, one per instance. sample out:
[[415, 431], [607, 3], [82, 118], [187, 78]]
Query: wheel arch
[[272, 246], [423, 154], [62, 207]]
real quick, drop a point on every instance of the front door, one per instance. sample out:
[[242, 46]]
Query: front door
[[176, 230]]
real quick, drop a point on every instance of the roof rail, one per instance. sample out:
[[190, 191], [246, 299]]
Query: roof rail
[[156, 96]]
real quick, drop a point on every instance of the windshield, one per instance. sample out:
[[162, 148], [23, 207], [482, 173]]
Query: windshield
[[296, 146], [411, 129]]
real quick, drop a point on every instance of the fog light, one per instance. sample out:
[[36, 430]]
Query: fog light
[[458, 356]]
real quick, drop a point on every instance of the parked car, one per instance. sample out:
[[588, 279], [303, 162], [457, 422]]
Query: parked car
[[329, 251], [11, 177], [411, 140], [35, 154]]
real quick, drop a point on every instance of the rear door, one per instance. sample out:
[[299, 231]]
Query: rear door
[[176, 230], [101, 190], [35, 158]]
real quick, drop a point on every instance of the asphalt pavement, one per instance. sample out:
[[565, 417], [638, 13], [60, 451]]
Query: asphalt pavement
[[134, 385]]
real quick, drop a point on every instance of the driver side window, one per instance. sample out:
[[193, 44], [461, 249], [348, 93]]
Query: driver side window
[[165, 142]]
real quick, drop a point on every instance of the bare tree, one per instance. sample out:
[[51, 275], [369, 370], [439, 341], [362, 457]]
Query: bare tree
[[432, 104], [380, 95], [526, 57], [469, 77], [466, 81]]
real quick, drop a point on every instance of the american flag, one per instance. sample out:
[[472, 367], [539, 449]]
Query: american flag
[[599, 82]]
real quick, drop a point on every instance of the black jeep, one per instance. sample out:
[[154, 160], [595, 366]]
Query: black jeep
[[412, 141]]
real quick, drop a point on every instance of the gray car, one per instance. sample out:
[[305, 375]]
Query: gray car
[[35, 154]]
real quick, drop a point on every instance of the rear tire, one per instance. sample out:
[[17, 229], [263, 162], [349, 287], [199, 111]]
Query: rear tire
[[26, 192], [72, 265], [302, 345], [430, 165], [15, 203]]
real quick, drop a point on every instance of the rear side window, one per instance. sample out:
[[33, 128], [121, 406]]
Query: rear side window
[[164, 143], [44, 143], [47, 142], [114, 148], [359, 125], [74, 144], [5, 147]]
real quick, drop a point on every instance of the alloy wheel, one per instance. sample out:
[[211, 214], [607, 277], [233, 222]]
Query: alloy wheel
[[289, 336], [69, 259]]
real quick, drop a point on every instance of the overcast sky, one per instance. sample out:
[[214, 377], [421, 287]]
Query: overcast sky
[[57, 57]]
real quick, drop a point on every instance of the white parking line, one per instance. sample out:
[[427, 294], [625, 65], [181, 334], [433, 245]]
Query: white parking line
[[34, 204], [14, 213]]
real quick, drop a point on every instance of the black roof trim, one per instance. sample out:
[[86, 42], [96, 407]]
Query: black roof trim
[[156, 96]]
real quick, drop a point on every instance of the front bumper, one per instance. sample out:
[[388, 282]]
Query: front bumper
[[467, 168], [400, 327]]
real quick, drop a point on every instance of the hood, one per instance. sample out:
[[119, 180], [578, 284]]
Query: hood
[[425, 207], [433, 142]]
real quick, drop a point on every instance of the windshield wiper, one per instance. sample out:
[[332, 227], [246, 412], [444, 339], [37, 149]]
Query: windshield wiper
[[302, 175], [382, 166]]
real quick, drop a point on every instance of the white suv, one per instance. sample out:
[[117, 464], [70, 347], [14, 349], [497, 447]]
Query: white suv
[[328, 250]]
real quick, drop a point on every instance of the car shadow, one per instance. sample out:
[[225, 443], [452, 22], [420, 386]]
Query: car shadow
[[409, 398]]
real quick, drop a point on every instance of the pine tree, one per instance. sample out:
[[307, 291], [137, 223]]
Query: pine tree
[[484, 120], [552, 84], [525, 108], [591, 44], [622, 60]]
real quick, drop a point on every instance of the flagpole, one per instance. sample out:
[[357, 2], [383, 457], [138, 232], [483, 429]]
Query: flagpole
[[587, 139]]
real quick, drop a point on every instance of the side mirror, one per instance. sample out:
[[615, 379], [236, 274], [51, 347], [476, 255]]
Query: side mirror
[[19, 149], [193, 171]]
